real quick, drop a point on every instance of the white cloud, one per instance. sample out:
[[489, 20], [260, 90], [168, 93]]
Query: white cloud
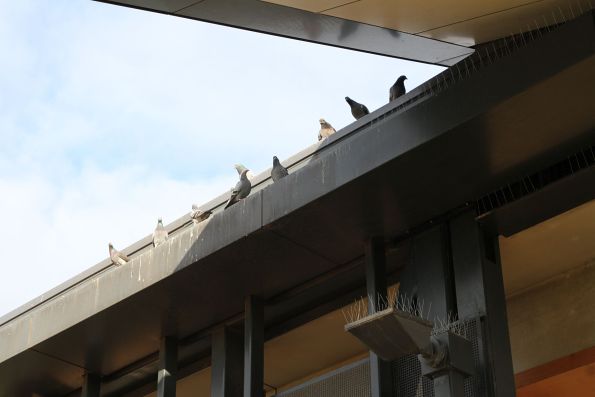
[[110, 117]]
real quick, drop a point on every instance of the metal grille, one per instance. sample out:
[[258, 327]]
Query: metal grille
[[353, 380]]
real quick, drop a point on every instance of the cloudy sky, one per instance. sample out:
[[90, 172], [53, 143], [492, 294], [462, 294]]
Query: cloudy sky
[[111, 117]]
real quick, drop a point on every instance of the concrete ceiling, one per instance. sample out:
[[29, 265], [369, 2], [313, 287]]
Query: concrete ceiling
[[550, 248], [463, 22]]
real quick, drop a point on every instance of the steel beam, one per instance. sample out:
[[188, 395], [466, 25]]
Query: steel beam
[[91, 385], [226, 363], [254, 347], [381, 380], [168, 367], [480, 292]]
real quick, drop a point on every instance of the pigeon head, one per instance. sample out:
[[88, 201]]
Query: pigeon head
[[160, 221], [275, 160], [402, 78], [111, 247], [239, 168], [324, 124], [244, 173], [349, 100]]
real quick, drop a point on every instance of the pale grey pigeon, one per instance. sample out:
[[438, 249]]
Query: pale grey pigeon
[[197, 215], [241, 191], [240, 167], [160, 235], [278, 171], [398, 89], [358, 110], [326, 130], [116, 256]]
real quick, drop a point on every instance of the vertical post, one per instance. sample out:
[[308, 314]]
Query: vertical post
[[381, 380], [254, 347], [168, 366], [91, 385], [226, 363], [480, 292]]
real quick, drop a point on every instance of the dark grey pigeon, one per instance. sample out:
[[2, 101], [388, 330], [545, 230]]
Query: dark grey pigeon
[[278, 171], [241, 191], [357, 109], [398, 89], [116, 256]]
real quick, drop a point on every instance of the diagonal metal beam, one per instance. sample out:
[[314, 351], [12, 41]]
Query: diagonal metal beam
[[274, 19]]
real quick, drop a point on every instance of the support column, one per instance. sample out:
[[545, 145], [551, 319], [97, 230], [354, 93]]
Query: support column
[[254, 347], [480, 292], [168, 366], [91, 385], [227, 371], [381, 379]]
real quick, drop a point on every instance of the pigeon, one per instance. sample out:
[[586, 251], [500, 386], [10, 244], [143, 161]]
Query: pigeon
[[357, 109], [116, 256], [397, 89], [160, 234], [197, 215], [241, 191], [326, 130], [240, 167], [278, 171]]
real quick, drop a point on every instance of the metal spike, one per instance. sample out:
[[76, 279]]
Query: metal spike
[[580, 8], [531, 32], [537, 26], [571, 11], [545, 23], [555, 20], [562, 14]]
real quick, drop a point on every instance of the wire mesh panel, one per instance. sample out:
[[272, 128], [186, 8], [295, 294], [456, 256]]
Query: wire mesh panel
[[352, 380]]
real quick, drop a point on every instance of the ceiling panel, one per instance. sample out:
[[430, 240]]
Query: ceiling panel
[[501, 24], [549, 248], [311, 5], [413, 16]]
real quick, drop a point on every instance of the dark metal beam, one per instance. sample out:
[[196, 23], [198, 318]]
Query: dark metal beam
[[480, 292], [168, 367], [381, 379], [226, 363], [278, 20], [91, 385], [254, 347]]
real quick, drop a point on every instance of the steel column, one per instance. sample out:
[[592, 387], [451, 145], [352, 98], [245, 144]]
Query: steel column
[[254, 347], [91, 385], [480, 292], [226, 363], [381, 380], [168, 366]]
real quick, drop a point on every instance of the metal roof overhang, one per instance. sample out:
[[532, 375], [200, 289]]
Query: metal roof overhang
[[297, 243], [279, 20]]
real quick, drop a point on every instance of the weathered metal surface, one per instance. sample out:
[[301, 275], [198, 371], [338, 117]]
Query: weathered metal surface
[[392, 333], [298, 24], [382, 175]]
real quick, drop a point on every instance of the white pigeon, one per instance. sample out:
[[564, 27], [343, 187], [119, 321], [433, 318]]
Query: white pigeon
[[116, 256], [326, 130], [240, 167], [160, 234], [197, 215]]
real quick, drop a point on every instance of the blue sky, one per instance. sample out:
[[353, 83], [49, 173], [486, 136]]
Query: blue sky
[[111, 117]]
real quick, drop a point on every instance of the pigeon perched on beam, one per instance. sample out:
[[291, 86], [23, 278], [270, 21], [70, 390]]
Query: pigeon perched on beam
[[160, 235], [278, 171], [241, 191], [326, 130], [398, 89], [358, 110], [198, 215], [117, 257], [240, 167]]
